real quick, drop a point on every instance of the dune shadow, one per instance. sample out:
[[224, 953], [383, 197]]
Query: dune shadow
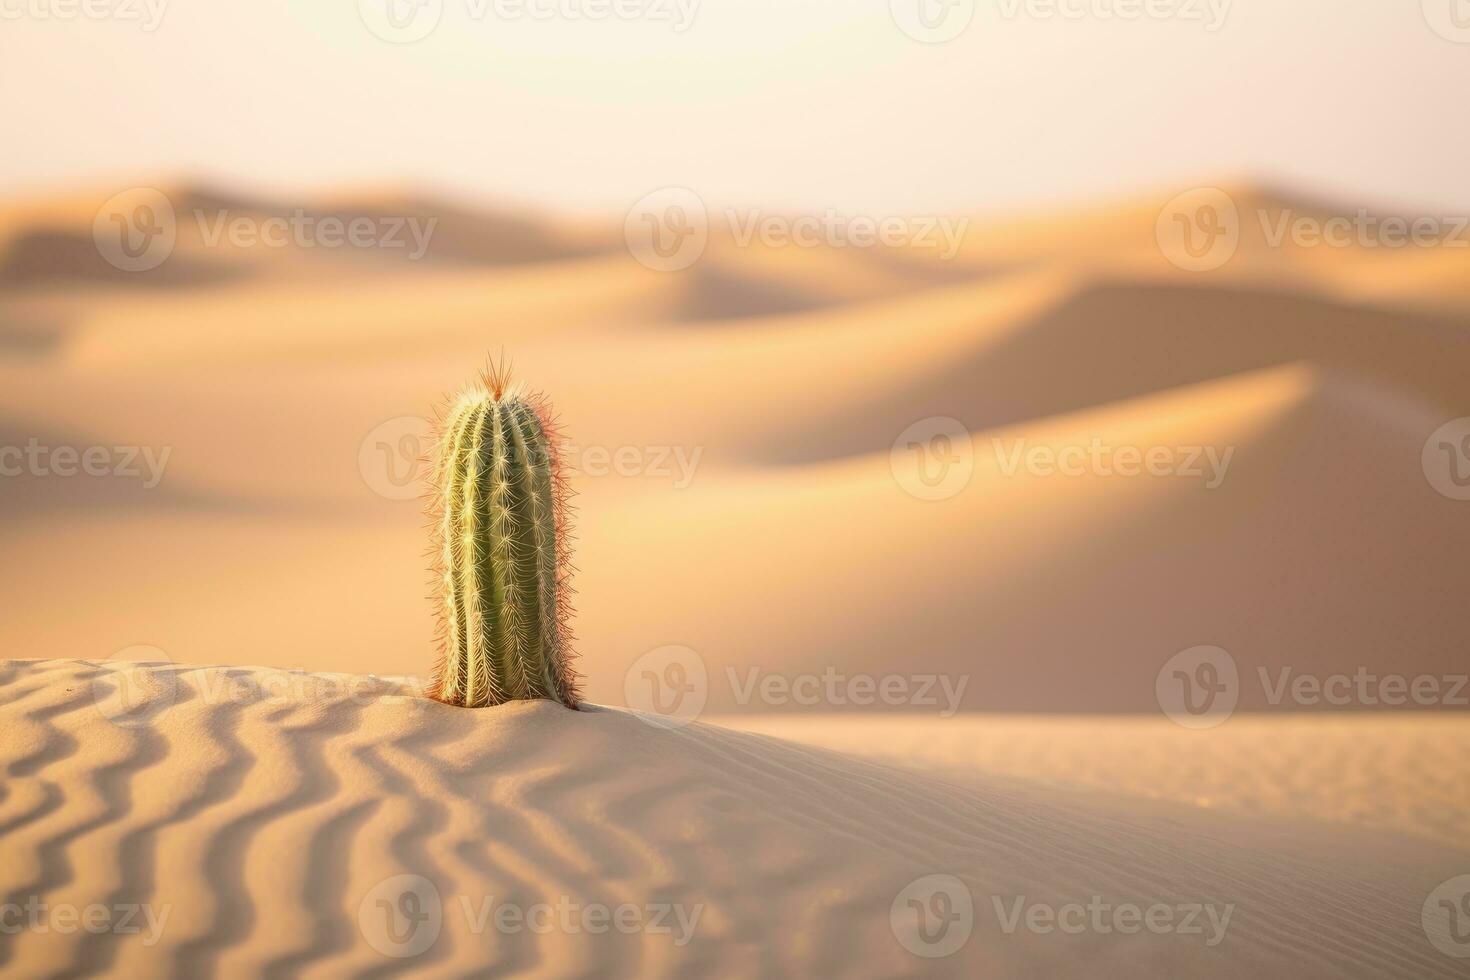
[[54, 257], [1109, 342], [45, 471]]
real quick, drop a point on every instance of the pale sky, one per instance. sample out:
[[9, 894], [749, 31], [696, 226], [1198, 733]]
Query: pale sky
[[799, 104]]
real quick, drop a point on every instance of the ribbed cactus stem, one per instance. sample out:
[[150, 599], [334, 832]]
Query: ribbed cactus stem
[[500, 514]]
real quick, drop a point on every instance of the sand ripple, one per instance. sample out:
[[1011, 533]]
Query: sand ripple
[[286, 825]]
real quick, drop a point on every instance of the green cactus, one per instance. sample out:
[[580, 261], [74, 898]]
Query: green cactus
[[500, 513]]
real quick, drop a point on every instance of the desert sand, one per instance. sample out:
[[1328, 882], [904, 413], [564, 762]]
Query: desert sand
[[756, 395], [745, 495], [260, 818]]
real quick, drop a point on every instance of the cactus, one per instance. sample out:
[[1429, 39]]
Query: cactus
[[499, 509]]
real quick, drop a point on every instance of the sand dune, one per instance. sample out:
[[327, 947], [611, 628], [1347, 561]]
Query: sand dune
[[54, 245], [1314, 767], [1007, 572], [1101, 342], [335, 575], [760, 394], [281, 811]]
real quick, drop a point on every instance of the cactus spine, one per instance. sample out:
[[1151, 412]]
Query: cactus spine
[[500, 515]]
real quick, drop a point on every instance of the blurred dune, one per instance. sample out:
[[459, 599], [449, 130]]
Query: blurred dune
[[763, 519]]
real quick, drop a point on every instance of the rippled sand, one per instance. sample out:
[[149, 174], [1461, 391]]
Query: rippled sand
[[267, 820]]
